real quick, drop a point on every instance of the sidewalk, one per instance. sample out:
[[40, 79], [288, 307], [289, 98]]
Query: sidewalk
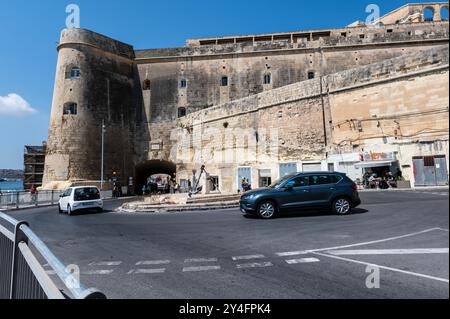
[[413, 189], [12, 209]]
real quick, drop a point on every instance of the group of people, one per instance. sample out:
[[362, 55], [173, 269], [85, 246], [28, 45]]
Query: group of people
[[159, 186], [245, 184], [381, 181]]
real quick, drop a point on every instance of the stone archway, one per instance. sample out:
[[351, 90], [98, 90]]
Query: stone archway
[[149, 168]]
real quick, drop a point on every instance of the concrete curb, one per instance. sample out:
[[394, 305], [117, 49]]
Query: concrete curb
[[416, 189], [175, 209]]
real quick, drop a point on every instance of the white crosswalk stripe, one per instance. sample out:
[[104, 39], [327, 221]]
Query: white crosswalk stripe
[[302, 261], [146, 271], [248, 257], [106, 263], [200, 268], [254, 265], [201, 260], [152, 262]]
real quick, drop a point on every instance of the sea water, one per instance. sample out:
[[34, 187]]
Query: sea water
[[8, 186]]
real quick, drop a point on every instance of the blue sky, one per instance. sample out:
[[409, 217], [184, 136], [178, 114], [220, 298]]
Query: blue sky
[[29, 32]]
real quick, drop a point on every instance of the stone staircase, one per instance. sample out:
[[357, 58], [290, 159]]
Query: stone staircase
[[213, 198], [196, 203]]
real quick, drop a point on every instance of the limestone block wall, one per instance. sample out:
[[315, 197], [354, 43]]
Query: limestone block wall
[[104, 90], [287, 62], [404, 108], [396, 91]]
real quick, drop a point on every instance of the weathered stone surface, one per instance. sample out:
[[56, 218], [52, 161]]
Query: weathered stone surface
[[358, 72]]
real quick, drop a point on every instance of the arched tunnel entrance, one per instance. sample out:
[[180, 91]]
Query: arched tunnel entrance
[[145, 170]]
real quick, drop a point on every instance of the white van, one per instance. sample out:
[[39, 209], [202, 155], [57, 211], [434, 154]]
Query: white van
[[80, 198]]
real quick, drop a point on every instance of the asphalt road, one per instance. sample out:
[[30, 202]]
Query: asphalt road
[[222, 254]]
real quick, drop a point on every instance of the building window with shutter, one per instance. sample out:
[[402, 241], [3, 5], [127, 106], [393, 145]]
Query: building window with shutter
[[146, 85], [181, 112], [224, 81], [70, 108], [75, 73]]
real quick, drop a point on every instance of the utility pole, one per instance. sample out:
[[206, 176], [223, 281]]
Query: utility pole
[[103, 155]]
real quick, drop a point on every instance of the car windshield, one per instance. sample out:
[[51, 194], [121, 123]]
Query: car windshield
[[279, 182], [88, 193]]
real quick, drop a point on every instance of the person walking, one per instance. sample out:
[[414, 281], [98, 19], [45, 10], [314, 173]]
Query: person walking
[[34, 193]]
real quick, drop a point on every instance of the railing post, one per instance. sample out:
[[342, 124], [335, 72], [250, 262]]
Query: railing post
[[17, 200], [19, 237]]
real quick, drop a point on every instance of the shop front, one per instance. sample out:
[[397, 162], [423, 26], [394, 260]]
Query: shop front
[[378, 165]]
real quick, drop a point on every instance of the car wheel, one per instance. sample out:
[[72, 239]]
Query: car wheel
[[69, 210], [342, 206], [267, 210], [99, 210], [60, 210]]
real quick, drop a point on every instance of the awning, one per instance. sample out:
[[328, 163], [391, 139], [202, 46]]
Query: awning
[[369, 164], [265, 173]]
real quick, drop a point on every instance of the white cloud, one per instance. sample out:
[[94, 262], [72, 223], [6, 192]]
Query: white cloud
[[14, 104]]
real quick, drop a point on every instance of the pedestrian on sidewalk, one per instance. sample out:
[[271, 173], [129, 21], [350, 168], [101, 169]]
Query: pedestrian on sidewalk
[[34, 193]]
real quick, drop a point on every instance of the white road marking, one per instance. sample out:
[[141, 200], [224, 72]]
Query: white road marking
[[200, 268], [50, 272], [146, 271], [389, 251], [248, 257], [201, 260], [106, 263], [385, 267], [152, 262], [254, 265], [443, 229], [302, 261], [97, 272], [294, 253]]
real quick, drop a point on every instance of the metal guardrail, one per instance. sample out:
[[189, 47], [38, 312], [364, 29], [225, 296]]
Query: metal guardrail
[[16, 200], [22, 276]]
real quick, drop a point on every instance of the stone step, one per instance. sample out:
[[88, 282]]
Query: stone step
[[213, 198], [141, 208]]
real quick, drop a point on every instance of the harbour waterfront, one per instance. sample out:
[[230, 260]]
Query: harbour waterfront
[[11, 185]]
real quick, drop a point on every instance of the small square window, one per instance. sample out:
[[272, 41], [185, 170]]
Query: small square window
[[181, 112], [311, 75], [70, 109], [362, 36], [224, 81], [183, 83], [75, 73], [267, 78], [146, 85]]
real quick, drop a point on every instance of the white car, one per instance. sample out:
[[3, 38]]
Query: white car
[[80, 198]]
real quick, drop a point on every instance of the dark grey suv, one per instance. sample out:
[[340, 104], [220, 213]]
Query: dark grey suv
[[303, 191]]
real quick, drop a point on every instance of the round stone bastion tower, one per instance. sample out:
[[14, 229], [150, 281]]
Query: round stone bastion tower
[[95, 83]]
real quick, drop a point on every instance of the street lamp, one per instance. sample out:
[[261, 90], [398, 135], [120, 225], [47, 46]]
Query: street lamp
[[103, 154]]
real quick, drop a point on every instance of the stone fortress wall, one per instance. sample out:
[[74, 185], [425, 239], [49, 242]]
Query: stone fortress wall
[[106, 90], [145, 95], [409, 95]]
